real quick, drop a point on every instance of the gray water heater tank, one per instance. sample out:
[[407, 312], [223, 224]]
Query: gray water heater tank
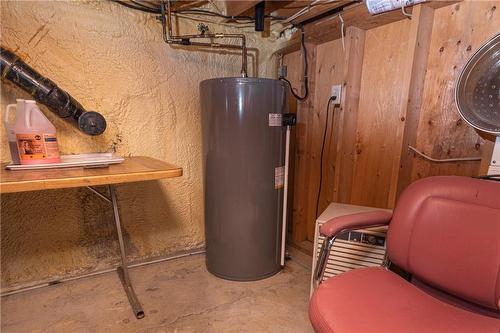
[[243, 151]]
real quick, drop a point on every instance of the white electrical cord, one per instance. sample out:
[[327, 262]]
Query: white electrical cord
[[306, 9], [403, 4], [300, 12], [444, 160], [342, 32]]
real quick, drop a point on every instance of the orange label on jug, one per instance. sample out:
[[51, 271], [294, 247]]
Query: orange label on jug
[[37, 146]]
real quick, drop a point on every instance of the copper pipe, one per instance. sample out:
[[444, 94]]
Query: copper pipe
[[166, 19]]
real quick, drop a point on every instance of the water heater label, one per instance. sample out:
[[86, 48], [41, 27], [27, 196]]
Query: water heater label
[[279, 177], [275, 119]]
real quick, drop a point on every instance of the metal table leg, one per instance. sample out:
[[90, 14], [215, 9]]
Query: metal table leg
[[123, 269]]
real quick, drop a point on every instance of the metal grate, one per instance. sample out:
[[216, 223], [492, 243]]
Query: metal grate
[[354, 249]]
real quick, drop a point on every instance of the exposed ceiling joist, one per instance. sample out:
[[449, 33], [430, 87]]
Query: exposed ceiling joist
[[291, 8], [188, 4], [235, 8], [310, 9], [273, 6], [185, 4], [329, 28]]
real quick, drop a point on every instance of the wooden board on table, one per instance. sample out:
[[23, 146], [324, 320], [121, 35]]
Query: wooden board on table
[[133, 169]]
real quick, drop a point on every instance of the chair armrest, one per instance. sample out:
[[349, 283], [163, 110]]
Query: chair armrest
[[331, 228], [355, 221]]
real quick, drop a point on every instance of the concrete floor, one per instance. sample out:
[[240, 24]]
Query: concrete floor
[[177, 296]]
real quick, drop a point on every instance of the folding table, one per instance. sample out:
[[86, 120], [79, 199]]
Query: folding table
[[132, 169]]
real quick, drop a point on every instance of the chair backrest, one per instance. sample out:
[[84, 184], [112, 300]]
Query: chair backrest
[[446, 232]]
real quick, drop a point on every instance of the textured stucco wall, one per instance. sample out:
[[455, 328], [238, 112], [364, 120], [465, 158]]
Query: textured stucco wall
[[113, 60]]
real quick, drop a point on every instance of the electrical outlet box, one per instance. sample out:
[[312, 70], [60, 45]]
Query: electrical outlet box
[[495, 159], [337, 93], [282, 71]]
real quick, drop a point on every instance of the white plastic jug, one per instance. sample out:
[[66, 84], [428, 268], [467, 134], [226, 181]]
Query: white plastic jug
[[35, 136], [9, 126]]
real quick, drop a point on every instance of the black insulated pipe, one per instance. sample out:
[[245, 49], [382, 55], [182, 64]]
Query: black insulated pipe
[[45, 91], [259, 16]]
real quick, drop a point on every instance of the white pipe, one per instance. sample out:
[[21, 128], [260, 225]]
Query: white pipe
[[285, 196], [446, 160]]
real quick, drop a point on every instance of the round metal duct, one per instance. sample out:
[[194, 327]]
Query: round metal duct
[[478, 89]]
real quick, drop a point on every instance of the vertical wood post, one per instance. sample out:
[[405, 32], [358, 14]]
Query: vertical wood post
[[412, 91], [303, 162], [346, 145]]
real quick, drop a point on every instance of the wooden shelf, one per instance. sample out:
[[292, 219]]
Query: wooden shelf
[[133, 169]]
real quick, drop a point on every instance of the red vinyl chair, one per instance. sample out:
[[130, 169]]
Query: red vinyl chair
[[445, 232]]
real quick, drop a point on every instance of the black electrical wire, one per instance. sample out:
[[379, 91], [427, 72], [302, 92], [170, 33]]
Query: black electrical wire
[[331, 99], [489, 177], [144, 5], [306, 70], [210, 13], [278, 18], [156, 10], [229, 17], [136, 7]]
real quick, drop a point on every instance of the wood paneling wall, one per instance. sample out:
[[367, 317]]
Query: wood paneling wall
[[380, 116], [458, 31], [398, 88]]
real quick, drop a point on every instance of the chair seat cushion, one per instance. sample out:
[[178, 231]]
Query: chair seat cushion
[[377, 300]]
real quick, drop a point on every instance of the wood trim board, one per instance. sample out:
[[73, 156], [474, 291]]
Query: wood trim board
[[133, 169]]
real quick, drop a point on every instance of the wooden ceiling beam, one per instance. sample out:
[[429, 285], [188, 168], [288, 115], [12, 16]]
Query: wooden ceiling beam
[[291, 8], [188, 4], [320, 9], [185, 4], [273, 6], [235, 8], [329, 28]]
